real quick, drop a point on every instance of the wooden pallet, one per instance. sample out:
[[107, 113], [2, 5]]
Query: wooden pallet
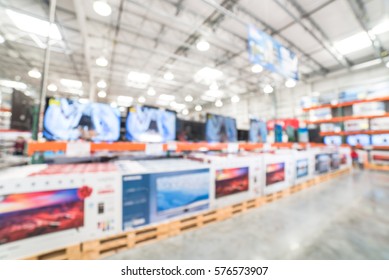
[[377, 167], [68, 253]]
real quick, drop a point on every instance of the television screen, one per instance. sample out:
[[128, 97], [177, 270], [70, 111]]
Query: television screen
[[21, 117], [66, 119], [301, 168], [275, 173], [335, 161], [190, 131], [181, 191], [232, 180], [149, 124], [243, 135], [343, 159], [380, 140], [27, 215], [333, 140], [258, 131], [220, 129], [359, 139], [322, 164], [302, 134]]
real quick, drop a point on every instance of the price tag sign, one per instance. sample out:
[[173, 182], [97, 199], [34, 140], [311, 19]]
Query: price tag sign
[[233, 147], [77, 149], [154, 149]]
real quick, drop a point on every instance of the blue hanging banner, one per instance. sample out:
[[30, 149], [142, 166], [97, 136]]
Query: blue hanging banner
[[271, 55]]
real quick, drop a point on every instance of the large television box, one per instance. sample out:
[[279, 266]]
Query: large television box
[[278, 171], [156, 191], [303, 166], [44, 208], [234, 177], [379, 157]]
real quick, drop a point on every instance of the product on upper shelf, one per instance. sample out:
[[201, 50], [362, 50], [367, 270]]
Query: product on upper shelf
[[359, 139], [356, 125], [333, 140], [369, 109], [379, 124], [320, 114], [380, 140]]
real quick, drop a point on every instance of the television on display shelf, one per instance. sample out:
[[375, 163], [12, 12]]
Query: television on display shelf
[[275, 173], [150, 124], [230, 181], [220, 129], [190, 131], [25, 215], [322, 163], [359, 139], [258, 131], [302, 166], [333, 140], [380, 140], [335, 161], [21, 111], [243, 135], [66, 119]]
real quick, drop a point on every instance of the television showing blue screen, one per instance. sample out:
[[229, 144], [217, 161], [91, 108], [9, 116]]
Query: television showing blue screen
[[359, 139], [333, 140], [220, 129], [65, 119], [149, 124], [258, 131], [380, 140]]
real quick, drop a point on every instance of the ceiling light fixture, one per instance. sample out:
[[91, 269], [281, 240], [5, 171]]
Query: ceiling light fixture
[[141, 99], [102, 8], [198, 108], [101, 84], [185, 112], [168, 76], [207, 75], [235, 99], [13, 84], [138, 79], [208, 98], [268, 89], [34, 73], [102, 94], [2, 39], [123, 100], [214, 86], [52, 87], [380, 28], [167, 97], [101, 61], [290, 83], [188, 98], [218, 103], [353, 43], [114, 104], [151, 91], [202, 45], [71, 83], [387, 64], [256, 68], [34, 25]]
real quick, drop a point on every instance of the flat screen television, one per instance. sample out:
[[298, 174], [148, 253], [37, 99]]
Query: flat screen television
[[220, 129], [333, 140], [335, 161], [243, 135], [359, 139], [258, 131], [66, 119], [25, 215], [302, 168], [21, 118], [275, 173], [150, 124], [380, 140], [229, 181], [190, 131], [322, 163]]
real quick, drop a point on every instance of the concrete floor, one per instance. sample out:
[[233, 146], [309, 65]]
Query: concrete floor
[[345, 218]]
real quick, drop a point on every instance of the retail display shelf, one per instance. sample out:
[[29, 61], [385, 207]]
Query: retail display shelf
[[346, 118], [342, 133], [344, 104], [383, 148]]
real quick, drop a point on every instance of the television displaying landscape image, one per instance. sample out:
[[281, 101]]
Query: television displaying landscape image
[[27, 215], [301, 168], [322, 163], [231, 180], [275, 173]]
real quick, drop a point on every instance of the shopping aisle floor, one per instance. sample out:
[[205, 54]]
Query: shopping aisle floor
[[345, 218]]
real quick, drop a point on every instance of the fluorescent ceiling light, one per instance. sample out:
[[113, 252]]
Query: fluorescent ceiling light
[[219, 103], [188, 98], [214, 86], [101, 61], [168, 76], [13, 84], [141, 99], [74, 91], [71, 83], [122, 109], [151, 91], [167, 97], [114, 104], [162, 102], [138, 79], [102, 8], [256, 68], [207, 75], [177, 106], [387, 64], [185, 112], [353, 43], [235, 99], [268, 89], [102, 94], [34, 25], [198, 108], [124, 100], [2, 40], [208, 98], [202, 45], [34, 73], [83, 100], [52, 87], [290, 83], [101, 84], [214, 93], [380, 28]]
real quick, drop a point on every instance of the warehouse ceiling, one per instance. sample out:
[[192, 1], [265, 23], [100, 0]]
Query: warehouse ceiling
[[151, 47]]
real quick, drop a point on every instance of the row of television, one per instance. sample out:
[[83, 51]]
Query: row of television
[[359, 139], [65, 119], [48, 209]]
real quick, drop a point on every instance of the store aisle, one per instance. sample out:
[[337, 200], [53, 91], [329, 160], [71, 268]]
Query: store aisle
[[345, 218]]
